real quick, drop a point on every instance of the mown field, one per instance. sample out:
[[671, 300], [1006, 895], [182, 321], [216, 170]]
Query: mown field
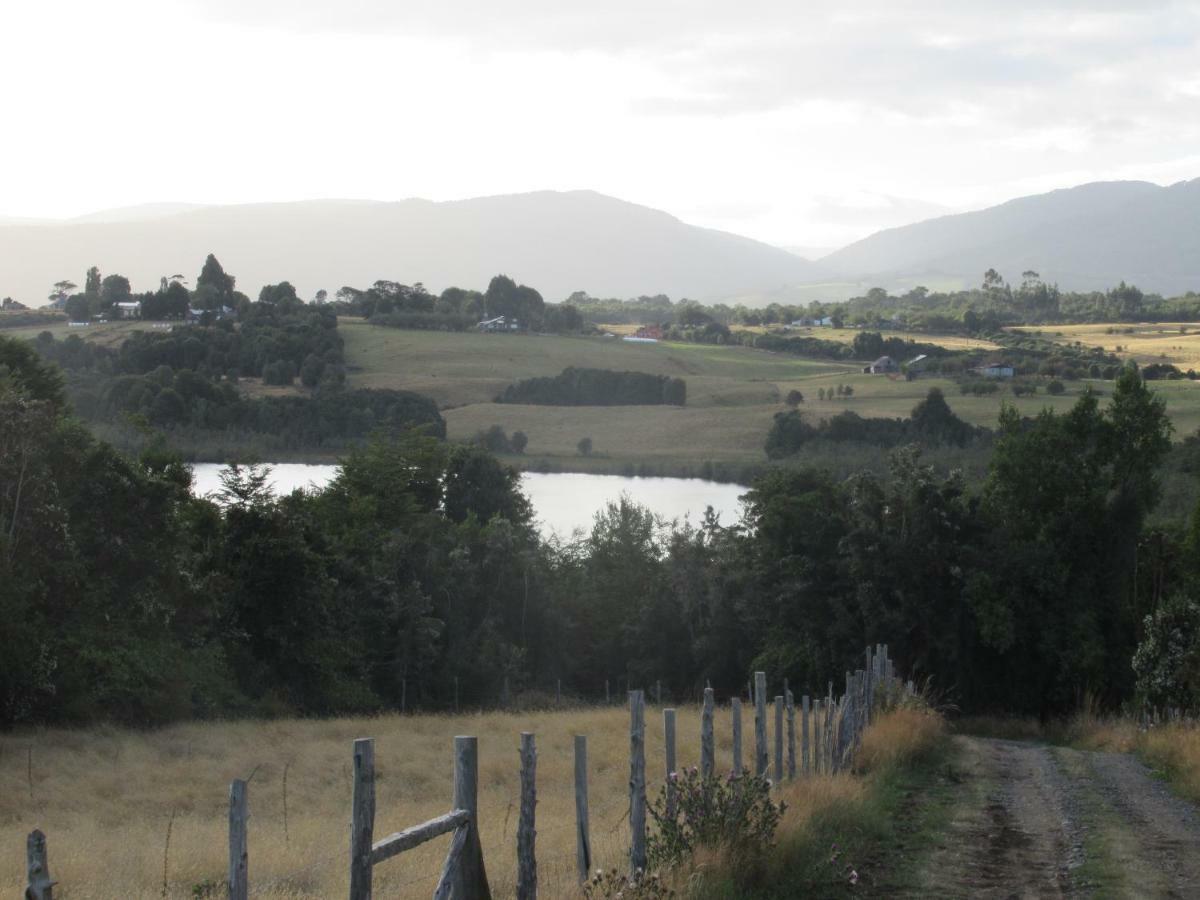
[[106, 798], [1177, 343], [733, 393], [108, 334]]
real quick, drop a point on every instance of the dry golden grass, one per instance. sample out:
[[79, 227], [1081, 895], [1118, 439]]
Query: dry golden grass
[[104, 797], [899, 737], [1177, 343], [949, 341], [1174, 750]]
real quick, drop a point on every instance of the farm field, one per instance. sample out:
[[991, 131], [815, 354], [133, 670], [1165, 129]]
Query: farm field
[[949, 341], [107, 334], [733, 393], [105, 798], [1177, 343]]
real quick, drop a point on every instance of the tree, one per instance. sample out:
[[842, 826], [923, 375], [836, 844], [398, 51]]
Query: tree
[[794, 398], [993, 281], [214, 288], [321, 296], [584, 446], [92, 283], [519, 441], [61, 290], [114, 289]]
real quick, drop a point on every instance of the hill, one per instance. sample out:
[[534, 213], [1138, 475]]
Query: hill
[[557, 242], [1084, 238]]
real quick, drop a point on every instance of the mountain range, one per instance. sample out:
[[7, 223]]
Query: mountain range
[[557, 242], [1083, 238]]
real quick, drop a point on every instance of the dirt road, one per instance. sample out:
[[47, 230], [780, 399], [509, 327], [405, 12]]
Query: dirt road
[[1037, 821]]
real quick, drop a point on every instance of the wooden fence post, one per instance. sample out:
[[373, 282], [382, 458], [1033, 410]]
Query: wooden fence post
[[526, 829], [470, 879], [239, 856], [669, 738], [658, 692], [37, 862], [707, 745], [403, 696], [805, 756], [637, 784], [791, 736], [817, 731], [583, 840], [779, 740], [735, 711], [760, 724], [607, 695], [504, 694], [456, 695], [362, 824]]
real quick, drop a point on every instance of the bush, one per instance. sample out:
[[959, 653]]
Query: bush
[[794, 398], [1167, 661], [731, 812], [1055, 387], [584, 446], [598, 387], [519, 441]]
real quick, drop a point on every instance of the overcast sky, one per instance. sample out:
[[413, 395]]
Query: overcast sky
[[803, 124]]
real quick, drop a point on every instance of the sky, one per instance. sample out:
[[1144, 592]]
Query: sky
[[803, 124]]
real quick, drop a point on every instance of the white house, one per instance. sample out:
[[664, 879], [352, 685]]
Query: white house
[[127, 310], [997, 370], [885, 365]]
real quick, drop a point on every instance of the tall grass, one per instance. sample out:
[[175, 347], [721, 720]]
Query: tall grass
[[833, 824], [105, 799]]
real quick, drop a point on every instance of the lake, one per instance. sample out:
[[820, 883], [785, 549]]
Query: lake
[[562, 501]]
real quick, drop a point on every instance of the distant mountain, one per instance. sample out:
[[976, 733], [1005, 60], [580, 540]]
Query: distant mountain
[[1084, 238], [136, 213], [555, 242]]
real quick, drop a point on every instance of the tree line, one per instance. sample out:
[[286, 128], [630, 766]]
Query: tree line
[[597, 387]]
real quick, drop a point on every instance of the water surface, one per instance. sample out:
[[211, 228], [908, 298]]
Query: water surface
[[562, 501]]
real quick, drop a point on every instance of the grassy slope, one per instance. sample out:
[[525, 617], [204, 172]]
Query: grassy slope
[[733, 392]]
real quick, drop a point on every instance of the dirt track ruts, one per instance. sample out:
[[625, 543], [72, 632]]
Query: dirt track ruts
[[1038, 821]]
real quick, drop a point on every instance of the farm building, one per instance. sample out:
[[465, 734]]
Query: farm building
[[885, 365], [996, 370], [130, 310], [500, 323], [650, 332]]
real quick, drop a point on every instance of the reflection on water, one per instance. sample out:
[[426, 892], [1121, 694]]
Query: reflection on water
[[562, 502]]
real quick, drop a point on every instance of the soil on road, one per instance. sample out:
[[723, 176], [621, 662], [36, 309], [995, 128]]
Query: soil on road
[[1037, 821]]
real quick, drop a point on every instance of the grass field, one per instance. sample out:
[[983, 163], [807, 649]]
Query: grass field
[[105, 798], [107, 334], [949, 341], [733, 393], [1177, 343]]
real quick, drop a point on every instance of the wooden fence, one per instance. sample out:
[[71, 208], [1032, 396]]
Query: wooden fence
[[830, 735]]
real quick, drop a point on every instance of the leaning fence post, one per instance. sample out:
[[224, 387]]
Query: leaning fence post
[[707, 746], [637, 783], [760, 724], [40, 886], [239, 857], [805, 756], [791, 736], [779, 740], [669, 740], [735, 711], [583, 840], [526, 830], [362, 824], [470, 880]]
